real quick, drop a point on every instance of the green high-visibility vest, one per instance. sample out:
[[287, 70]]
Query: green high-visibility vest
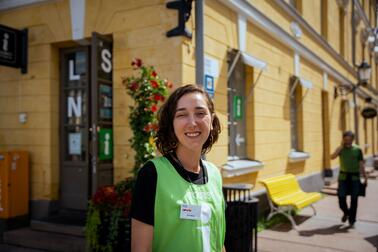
[[175, 234]]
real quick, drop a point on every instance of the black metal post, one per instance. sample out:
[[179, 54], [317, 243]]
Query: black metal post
[[356, 126], [200, 59]]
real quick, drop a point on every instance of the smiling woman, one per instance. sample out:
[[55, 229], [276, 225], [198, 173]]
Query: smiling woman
[[178, 203], [175, 109]]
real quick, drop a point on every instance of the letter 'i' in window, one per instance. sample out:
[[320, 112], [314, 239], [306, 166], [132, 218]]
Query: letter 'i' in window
[[236, 110]]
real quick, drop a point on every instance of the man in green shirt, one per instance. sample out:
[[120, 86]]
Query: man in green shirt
[[351, 166]]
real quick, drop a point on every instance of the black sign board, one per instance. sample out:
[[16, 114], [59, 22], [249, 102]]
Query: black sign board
[[13, 47], [369, 112]]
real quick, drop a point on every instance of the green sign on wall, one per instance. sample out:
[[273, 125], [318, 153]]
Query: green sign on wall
[[105, 137], [238, 107]]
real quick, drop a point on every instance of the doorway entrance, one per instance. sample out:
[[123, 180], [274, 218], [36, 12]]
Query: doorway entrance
[[86, 121]]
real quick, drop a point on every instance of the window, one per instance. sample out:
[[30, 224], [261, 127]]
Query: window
[[296, 122], [236, 111], [342, 31], [238, 161], [296, 118], [326, 130], [297, 4], [343, 115], [376, 75], [324, 19]]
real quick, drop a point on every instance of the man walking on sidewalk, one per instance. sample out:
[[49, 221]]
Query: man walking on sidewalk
[[351, 166]]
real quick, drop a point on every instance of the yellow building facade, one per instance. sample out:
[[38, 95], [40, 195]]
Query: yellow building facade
[[282, 73]]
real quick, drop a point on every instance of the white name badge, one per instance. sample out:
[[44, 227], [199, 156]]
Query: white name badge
[[190, 212]]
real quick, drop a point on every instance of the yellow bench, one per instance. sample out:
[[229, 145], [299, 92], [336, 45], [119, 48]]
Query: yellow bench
[[285, 195]]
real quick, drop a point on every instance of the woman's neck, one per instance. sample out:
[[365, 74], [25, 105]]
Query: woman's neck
[[189, 159]]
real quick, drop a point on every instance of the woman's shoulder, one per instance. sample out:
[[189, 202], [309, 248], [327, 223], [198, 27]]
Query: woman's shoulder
[[208, 163], [160, 161], [147, 170], [211, 167]]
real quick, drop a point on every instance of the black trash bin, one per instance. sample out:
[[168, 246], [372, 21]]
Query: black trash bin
[[241, 218]]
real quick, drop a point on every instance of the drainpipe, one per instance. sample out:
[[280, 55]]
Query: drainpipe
[[355, 114], [200, 60], [354, 88], [353, 36]]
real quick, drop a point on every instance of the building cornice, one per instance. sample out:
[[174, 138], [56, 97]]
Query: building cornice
[[266, 24], [293, 13]]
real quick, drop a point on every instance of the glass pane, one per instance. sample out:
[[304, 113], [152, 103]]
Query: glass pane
[[105, 102], [76, 106], [80, 63], [237, 122], [76, 65], [76, 138], [293, 121]]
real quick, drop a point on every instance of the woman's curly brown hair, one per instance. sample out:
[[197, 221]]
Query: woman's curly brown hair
[[166, 140]]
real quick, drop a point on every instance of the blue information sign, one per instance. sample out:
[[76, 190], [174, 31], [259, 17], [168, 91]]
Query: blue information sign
[[209, 85]]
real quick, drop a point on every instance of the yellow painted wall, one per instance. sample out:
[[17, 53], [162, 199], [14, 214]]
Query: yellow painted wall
[[268, 124], [311, 12], [35, 93], [138, 29]]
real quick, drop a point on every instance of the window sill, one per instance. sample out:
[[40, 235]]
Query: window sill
[[297, 156], [235, 168]]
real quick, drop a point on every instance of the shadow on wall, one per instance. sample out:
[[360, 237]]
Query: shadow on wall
[[295, 168], [286, 106]]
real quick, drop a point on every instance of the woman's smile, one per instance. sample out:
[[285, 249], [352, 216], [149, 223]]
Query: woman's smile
[[193, 134]]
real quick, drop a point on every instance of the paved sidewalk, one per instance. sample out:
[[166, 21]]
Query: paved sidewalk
[[325, 232]]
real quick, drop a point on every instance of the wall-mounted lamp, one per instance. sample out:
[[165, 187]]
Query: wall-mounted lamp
[[364, 71]]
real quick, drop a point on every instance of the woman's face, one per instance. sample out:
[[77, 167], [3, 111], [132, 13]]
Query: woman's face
[[192, 121]]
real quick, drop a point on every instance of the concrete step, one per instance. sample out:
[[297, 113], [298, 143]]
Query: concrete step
[[57, 228], [332, 186], [29, 238], [329, 191]]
